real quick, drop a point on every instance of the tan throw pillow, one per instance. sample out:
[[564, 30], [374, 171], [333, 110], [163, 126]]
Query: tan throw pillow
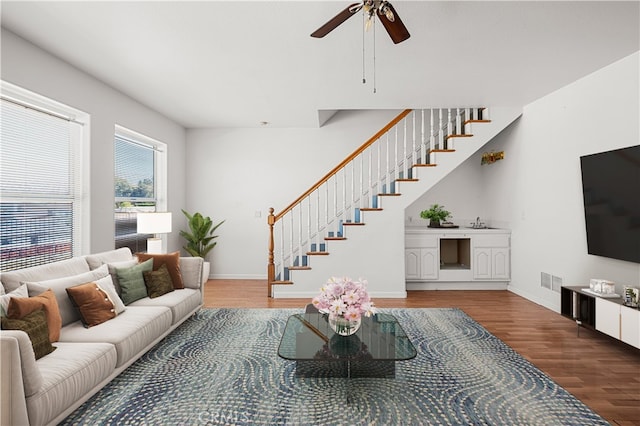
[[94, 304], [35, 325], [20, 307], [172, 260], [158, 282]]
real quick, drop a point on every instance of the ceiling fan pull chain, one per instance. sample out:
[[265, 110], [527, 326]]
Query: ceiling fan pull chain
[[364, 17], [374, 57]]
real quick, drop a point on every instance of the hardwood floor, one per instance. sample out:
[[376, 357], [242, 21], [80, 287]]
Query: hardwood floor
[[600, 371]]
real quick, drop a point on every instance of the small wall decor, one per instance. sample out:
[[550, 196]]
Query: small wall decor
[[491, 157]]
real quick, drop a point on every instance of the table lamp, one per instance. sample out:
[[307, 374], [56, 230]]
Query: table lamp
[[154, 223]]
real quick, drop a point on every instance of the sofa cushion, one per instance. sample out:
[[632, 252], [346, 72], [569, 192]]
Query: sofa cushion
[[20, 307], [69, 374], [158, 282], [97, 260], [4, 299], [68, 313], [64, 268], [93, 303], [35, 325], [130, 332], [181, 302], [172, 262]]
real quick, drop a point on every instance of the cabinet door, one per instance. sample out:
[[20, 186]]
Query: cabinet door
[[608, 317], [500, 263], [429, 264], [630, 326], [482, 263], [412, 264]]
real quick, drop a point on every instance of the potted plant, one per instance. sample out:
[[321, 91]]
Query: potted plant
[[200, 239], [435, 214]]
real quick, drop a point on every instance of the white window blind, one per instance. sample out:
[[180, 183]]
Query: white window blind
[[134, 171], [40, 185]]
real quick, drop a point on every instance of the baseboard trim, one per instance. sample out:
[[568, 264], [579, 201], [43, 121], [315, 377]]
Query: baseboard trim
[[457, 286], [237, 277], [284, 293], [532, 297]]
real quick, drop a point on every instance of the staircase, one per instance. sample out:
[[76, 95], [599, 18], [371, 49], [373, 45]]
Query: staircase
[[351, 222]]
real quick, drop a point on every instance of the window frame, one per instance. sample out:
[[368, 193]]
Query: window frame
[[160, 173]]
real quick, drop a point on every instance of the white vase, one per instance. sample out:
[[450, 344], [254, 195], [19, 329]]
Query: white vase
[[206, 268]]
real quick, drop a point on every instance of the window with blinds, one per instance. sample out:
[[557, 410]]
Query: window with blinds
[[138, 182], [41, 181]]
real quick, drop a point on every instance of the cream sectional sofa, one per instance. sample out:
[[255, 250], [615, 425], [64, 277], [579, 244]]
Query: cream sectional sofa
[[45, 391]]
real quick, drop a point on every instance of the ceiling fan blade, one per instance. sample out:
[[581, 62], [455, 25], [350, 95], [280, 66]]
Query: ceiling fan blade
[[336, 21], [396, 29]]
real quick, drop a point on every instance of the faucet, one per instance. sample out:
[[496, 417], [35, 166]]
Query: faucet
[[477, 224]]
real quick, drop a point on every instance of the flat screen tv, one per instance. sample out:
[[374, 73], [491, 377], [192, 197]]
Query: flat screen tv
[[611, 193]]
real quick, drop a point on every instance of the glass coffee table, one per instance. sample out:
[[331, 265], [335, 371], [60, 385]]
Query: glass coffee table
[[319, 352]]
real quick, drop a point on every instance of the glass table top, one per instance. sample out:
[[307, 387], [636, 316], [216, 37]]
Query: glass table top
[[308, 336]]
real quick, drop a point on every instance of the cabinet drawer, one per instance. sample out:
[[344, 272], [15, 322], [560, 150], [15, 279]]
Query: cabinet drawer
[[491, 241], [416, 241]]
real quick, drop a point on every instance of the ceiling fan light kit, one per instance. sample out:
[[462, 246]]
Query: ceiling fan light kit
[[380, 8]]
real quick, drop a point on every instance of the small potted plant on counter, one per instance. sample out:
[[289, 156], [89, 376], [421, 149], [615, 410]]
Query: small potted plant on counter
[[435, 214]]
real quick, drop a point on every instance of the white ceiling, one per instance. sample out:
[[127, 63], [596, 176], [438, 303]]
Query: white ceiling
[[238, 63]]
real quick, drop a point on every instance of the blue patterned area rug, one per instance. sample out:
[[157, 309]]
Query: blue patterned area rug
[[221, 367]]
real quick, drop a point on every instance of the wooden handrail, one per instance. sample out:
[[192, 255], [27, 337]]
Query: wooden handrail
[[344, 162]]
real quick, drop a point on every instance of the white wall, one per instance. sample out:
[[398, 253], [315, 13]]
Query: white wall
[[461, 193], [31, 68], [541, 186], [234, 173], [536, 191]]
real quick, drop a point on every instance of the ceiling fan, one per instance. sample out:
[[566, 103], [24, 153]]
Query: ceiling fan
[[381, 8]]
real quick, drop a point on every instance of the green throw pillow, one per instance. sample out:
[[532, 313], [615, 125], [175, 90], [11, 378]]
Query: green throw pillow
[[131, 281], [158, 282], [35, 325]]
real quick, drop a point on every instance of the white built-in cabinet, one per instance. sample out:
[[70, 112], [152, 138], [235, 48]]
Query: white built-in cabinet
[[457, 258], [421, 260], [491, 257]]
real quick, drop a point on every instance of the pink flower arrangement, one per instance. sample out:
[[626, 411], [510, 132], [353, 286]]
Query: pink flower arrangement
[[345, 298]]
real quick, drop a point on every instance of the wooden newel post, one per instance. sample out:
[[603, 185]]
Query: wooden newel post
[[271, 267]]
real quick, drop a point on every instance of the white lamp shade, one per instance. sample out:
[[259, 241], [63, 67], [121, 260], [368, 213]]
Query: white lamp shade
[[154, 223]]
